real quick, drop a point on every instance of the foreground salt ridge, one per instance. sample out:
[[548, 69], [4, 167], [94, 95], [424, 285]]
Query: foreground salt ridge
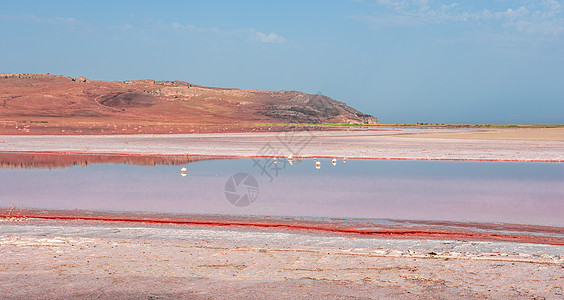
[[93, 260], [43, 233], [396, 144]]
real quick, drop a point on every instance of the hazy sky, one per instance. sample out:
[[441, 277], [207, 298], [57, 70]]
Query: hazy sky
[[475, 61]]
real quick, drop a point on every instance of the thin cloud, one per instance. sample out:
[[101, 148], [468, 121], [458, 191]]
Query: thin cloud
[[251, 33], [540, 17], [36, 19], [123, 27], [189, 27], [267, 38], [70, 24]]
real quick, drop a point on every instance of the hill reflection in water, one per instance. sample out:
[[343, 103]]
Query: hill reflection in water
[[62, 160]]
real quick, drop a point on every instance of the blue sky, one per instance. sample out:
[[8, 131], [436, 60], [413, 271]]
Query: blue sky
[[407, 61]]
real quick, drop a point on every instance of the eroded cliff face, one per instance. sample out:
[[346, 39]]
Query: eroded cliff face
[[297, 107]]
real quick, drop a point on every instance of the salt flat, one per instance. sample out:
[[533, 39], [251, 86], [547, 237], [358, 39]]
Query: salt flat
[[44, 259], [537, 144]]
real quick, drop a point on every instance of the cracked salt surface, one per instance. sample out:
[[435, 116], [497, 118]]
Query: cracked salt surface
[[56, 260], [43, 234]]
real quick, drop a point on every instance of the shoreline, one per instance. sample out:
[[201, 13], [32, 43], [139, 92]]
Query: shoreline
[[393, 145], [368, 228], [221, 156]]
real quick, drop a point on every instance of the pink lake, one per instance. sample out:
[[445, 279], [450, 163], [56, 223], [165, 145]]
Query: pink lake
[[510, 192]]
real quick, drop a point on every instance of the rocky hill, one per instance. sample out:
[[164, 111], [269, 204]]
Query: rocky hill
[[33, 99]]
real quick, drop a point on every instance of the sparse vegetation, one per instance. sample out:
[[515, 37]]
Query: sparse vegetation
[[25, 121], [14, 214], [424, 125]]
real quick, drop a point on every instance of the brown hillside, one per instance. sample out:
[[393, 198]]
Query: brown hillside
[[54, 104]]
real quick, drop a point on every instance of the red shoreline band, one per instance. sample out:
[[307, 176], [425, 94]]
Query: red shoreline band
[[399, 233]]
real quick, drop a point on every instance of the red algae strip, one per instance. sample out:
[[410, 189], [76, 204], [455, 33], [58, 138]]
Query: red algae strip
[[367, 230], [489, 226]]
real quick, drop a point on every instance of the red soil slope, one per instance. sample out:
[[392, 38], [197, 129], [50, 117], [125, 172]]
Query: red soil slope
[[53, 104]]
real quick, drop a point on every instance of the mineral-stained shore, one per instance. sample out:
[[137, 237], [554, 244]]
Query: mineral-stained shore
[[105, 260]]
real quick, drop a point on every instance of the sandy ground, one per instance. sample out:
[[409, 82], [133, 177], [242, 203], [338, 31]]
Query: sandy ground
[[56, 260], [433, 144]]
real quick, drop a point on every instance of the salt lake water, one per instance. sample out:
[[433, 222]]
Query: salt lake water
[[510, 192]]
